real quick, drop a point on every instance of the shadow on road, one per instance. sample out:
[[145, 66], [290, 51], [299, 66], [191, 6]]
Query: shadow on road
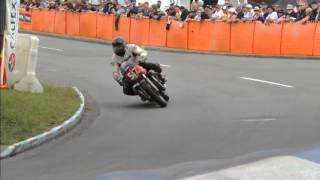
[[137, 105]]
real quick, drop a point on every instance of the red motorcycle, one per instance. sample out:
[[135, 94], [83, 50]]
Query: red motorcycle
[[145, 83]]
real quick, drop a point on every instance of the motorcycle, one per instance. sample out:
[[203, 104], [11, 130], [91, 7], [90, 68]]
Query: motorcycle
[[145, 83]]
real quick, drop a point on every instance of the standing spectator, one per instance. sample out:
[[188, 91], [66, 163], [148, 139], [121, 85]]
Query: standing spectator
[[307, 16], [155, 12], [248, 13], [199, 14], [34, 4], [178, 13], [301, 11], [44, 3], [107, 7], [263, 10], [232, 15], [242, 2], [272, 16], [195, 5], [240, 14], [184, 13], [318, 14], [257, 14], [281, 16], [290, 14], [277, 7], [95, 4], [133, 9], [314, 6], [207, 12], [207, 2], [218, 13], [159, 4]]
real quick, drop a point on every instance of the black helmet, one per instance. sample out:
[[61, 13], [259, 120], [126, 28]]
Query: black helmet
[[119, 46]]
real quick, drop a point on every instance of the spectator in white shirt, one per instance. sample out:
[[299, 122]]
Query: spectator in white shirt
[[272, 15], [248, 12], [218, 14]]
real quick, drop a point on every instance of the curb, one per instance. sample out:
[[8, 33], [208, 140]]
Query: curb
[[100, 41], [46, 136]]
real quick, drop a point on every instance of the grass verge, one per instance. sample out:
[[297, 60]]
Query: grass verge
[[24, 115]]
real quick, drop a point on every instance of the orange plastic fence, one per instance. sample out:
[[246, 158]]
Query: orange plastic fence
[[177, 36], [72, 23], [316, 48], [242, 37], [105, 26], [257, 38], [158, 33], [297, 38], [200, 35], [124, 28], [267, 39], [37, 20], [221, 37], [209, 36], [88, 24], [139, 30], [60, 22], [48, 21]]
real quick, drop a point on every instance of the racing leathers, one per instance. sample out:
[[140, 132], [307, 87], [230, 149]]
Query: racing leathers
[[134, 54]]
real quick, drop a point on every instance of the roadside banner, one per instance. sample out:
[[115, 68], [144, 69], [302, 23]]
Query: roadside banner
[[10, 38]]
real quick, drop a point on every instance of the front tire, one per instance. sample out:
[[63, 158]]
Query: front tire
[[154, 95]]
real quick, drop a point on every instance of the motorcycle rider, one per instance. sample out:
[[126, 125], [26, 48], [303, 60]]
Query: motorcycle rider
[[130, 52]]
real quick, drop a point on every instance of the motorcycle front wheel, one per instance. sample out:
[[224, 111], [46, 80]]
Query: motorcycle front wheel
[[153, 94]]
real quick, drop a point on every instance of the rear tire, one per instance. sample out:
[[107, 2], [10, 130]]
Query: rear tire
[[154, 95]]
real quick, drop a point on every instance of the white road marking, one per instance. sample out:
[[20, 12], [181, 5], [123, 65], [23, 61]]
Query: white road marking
[[164, 65], [259, 120], [278, 167], [267, 82], [54, 49]]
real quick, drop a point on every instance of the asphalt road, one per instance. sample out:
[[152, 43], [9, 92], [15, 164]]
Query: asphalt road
[[224, 111]]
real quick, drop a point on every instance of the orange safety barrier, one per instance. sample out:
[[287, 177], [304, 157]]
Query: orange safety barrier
[[316, 47], [48, 20], [209, 36], [139, 30], [297, 38], [72, 23], [124, 28], [200, 35], [37, 20], [241, 40], [157, 33], [267, 39], [221, 37], [60, 22], [88, 24], [244, 37], [105, 26], [25, 19], [177, 36]]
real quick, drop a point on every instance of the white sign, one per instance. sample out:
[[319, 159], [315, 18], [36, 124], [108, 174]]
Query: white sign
[[11, 36]]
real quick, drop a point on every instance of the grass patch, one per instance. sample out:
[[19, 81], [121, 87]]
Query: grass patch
[[24, 115]]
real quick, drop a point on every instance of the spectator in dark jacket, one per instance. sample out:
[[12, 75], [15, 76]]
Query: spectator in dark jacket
[[290, 14], [314, 6], [184, 13], [301, 11]]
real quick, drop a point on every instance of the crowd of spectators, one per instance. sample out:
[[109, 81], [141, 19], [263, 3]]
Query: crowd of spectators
[[228, 12]]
